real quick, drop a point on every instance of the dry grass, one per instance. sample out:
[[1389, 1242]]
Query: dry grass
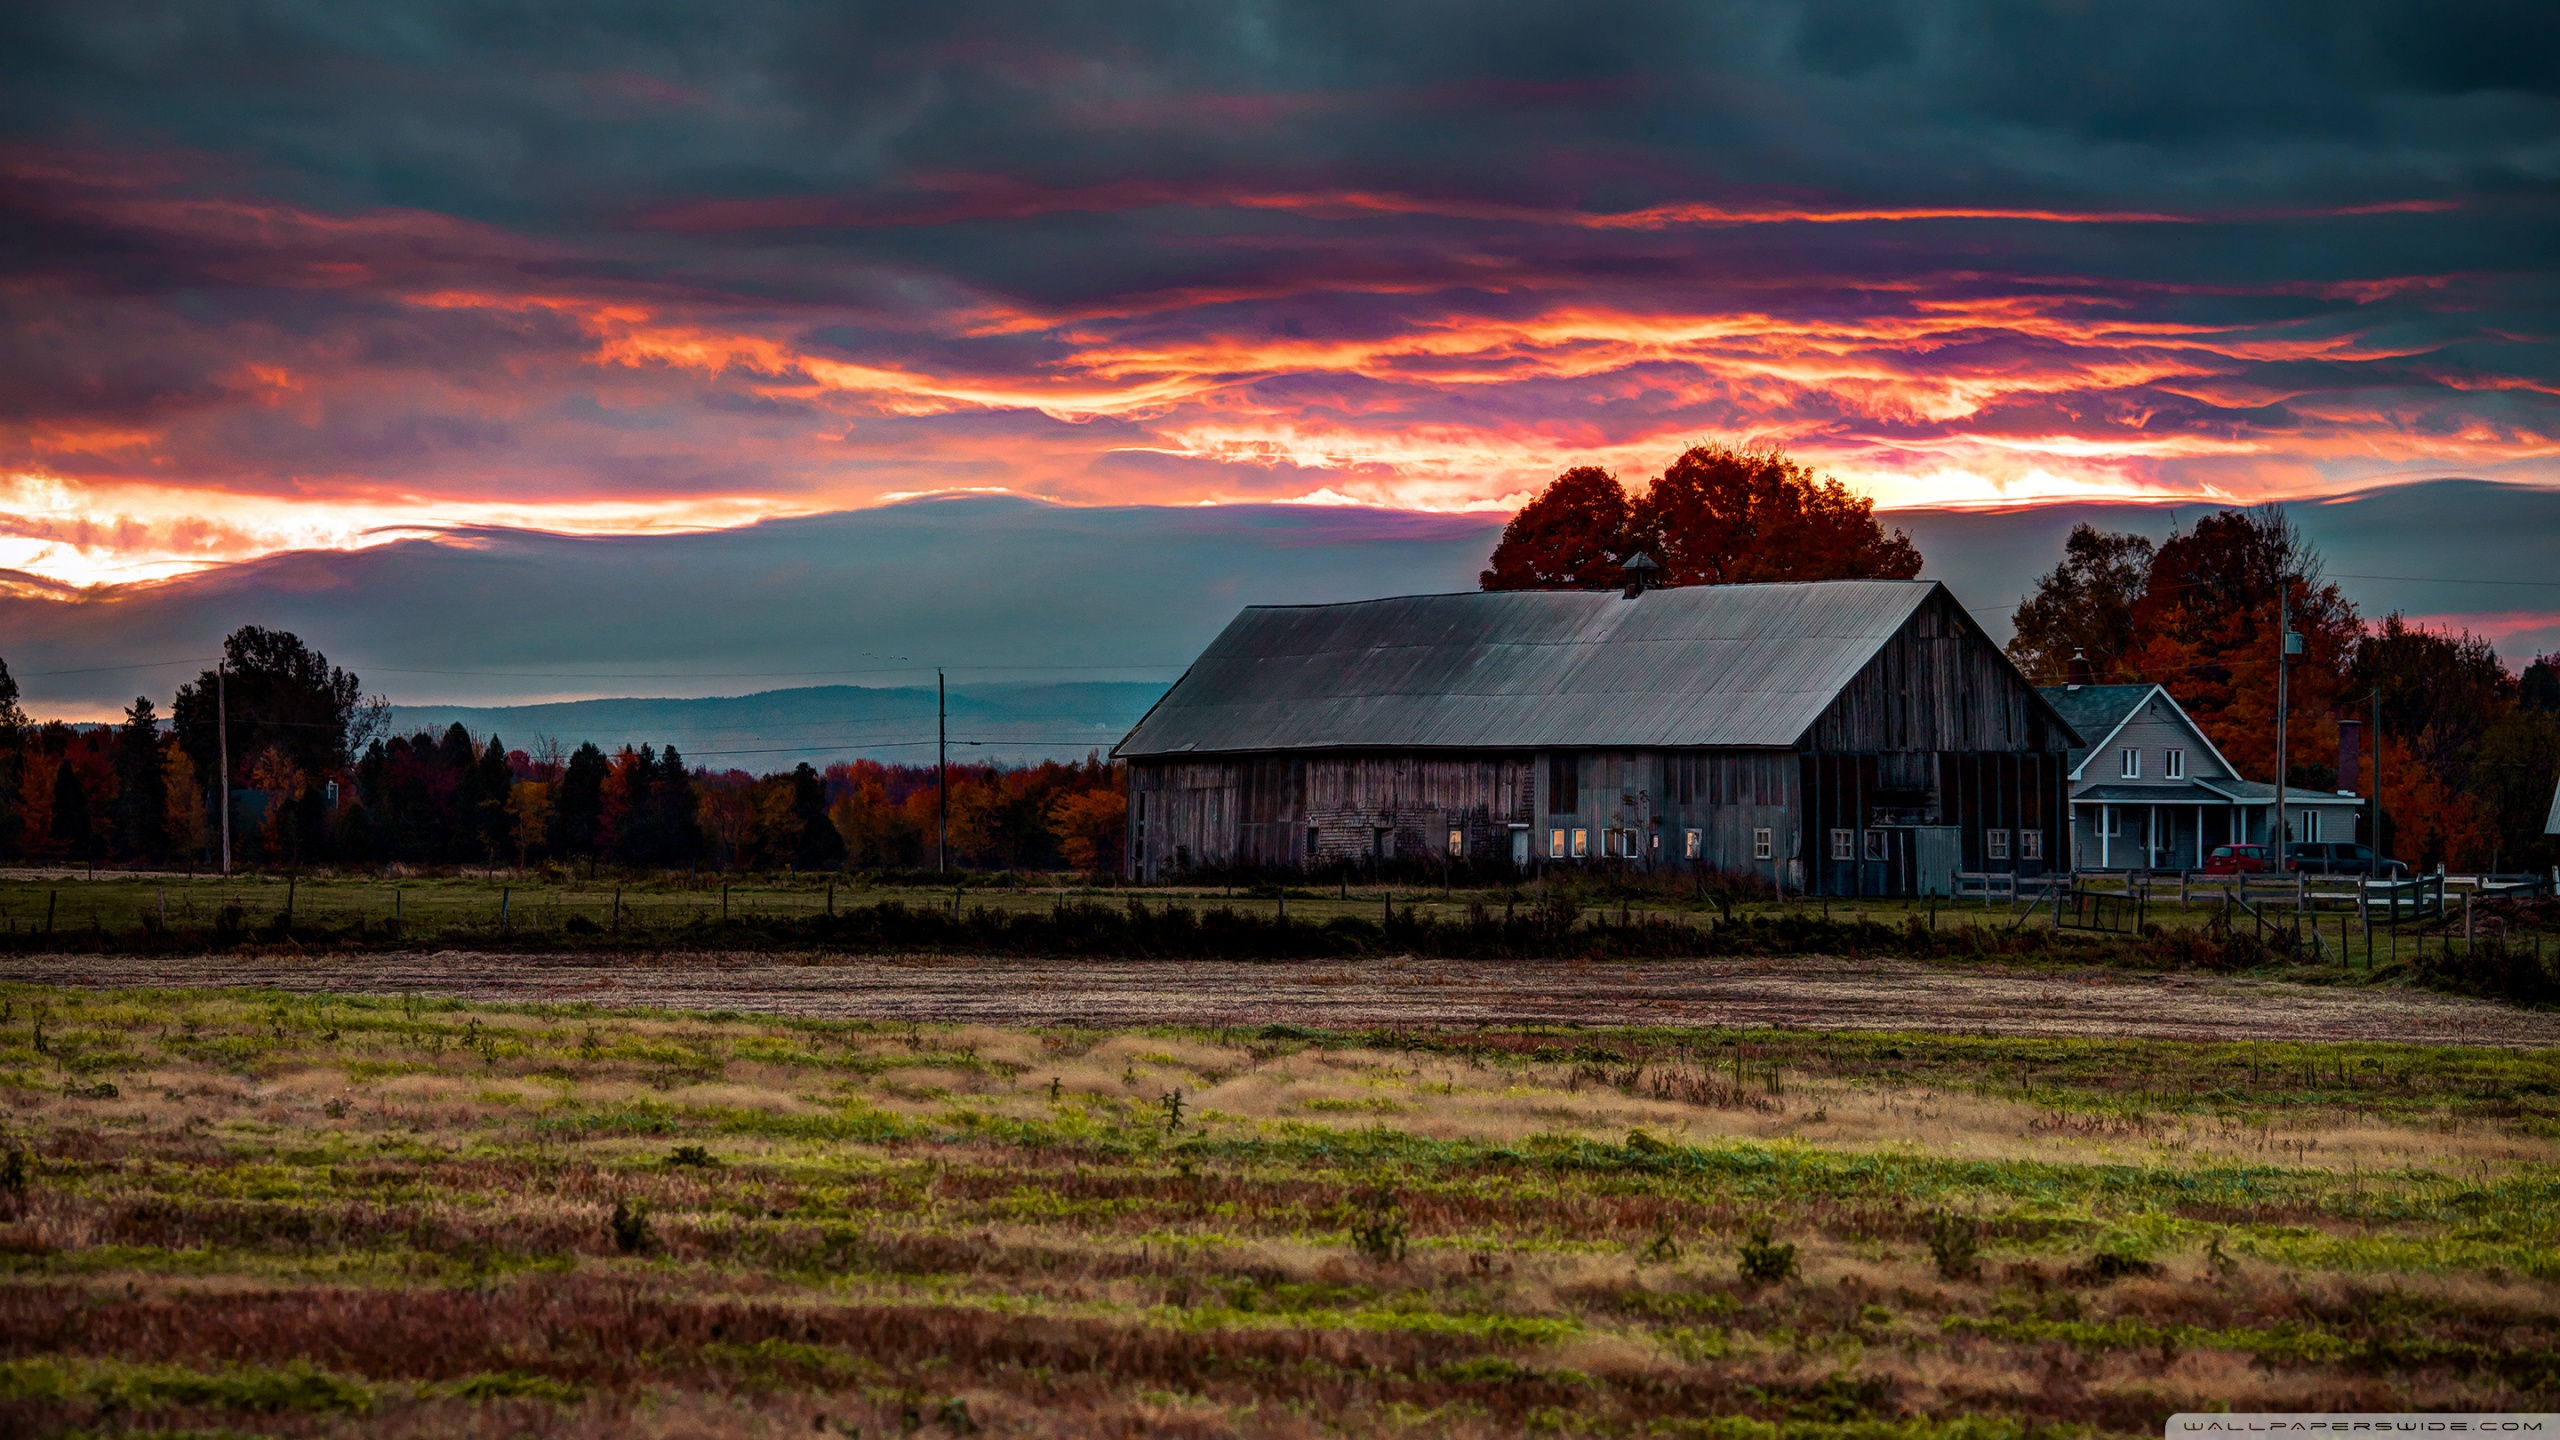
[[377, 1216]]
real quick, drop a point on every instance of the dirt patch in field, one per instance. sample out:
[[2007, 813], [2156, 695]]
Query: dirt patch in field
[[1812, 993]]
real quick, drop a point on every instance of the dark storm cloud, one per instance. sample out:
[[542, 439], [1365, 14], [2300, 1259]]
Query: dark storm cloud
[[296, 268]]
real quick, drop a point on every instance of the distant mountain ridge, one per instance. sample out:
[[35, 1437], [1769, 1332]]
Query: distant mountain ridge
[[1004, 588], [1013, 722]]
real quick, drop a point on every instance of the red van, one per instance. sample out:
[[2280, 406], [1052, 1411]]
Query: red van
[[2239, 860]]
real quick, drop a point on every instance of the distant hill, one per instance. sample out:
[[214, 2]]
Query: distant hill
[[776, 729]]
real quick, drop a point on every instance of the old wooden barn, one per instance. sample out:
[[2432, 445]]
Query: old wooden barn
[[1857, 737]]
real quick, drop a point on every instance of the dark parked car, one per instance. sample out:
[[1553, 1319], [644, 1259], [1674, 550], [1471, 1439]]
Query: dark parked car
[[2332, 857]]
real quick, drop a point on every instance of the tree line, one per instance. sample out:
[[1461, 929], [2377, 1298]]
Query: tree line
[[2469, 748], [317, 778]]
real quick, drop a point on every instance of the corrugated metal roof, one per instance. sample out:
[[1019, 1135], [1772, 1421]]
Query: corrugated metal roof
[[1742, 665]]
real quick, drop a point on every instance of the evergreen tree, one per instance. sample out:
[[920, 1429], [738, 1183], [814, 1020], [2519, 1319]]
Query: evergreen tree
[[578, 819], [817, 846], [489, 823], [677, 810], [73, 836], [142, 785], [13, 752]]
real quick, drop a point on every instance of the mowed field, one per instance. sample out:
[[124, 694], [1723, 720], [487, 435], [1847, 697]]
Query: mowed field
[[231, 1211]]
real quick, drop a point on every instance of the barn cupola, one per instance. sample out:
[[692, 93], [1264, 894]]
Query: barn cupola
[[1641, 574], [2078, 671]]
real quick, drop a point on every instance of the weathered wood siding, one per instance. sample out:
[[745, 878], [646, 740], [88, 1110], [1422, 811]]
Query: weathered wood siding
[[1297, 811], [1938, 685]]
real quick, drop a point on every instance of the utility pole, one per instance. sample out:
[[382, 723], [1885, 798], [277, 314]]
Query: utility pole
[[222, 725], [2284, 660], [2373, 741], [942, 775]]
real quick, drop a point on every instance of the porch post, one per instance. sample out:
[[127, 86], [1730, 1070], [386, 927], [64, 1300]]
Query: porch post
[[2105, 849]]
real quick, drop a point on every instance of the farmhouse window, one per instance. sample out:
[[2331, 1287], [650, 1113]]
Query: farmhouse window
[[2129, 765], [1844, 844], [1759, 844], [2173, 764], [1995, 843], [2030, 844]]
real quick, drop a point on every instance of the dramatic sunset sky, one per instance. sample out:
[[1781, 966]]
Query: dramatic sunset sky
[[283, 276]]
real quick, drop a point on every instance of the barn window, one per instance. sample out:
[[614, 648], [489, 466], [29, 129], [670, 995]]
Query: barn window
[[1995, 843], [2030, 844], [1457, 844], [1312, 834], [1581, 844], [1875, 844], [2129, 765], [1844, 844], [1693, 843], [1760, 845]]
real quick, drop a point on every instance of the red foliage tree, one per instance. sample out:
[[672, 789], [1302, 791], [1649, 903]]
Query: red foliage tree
[[1570, 538], [2206, 624], [1722, 516]]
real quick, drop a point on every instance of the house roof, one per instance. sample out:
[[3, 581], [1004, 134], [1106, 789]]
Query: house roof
[[1727, 665], [2106, 708], [2096, 710], [2552, 825]]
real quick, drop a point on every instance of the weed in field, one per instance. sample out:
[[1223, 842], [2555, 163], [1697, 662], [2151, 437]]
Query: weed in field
[[1663, 1248], [1955, 1243], [1378, 1230], [629, 1226], [1761, 1260], [692, 1155]]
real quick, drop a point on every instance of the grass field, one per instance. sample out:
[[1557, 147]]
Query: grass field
[[254, 1213], [342, 909]]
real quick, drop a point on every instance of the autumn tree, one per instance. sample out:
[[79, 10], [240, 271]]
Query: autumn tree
[[1723, 516], [2084, 607], [1717, 516], [1572, 537], [2206, 627], [2441, 691], [1089, 825]]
